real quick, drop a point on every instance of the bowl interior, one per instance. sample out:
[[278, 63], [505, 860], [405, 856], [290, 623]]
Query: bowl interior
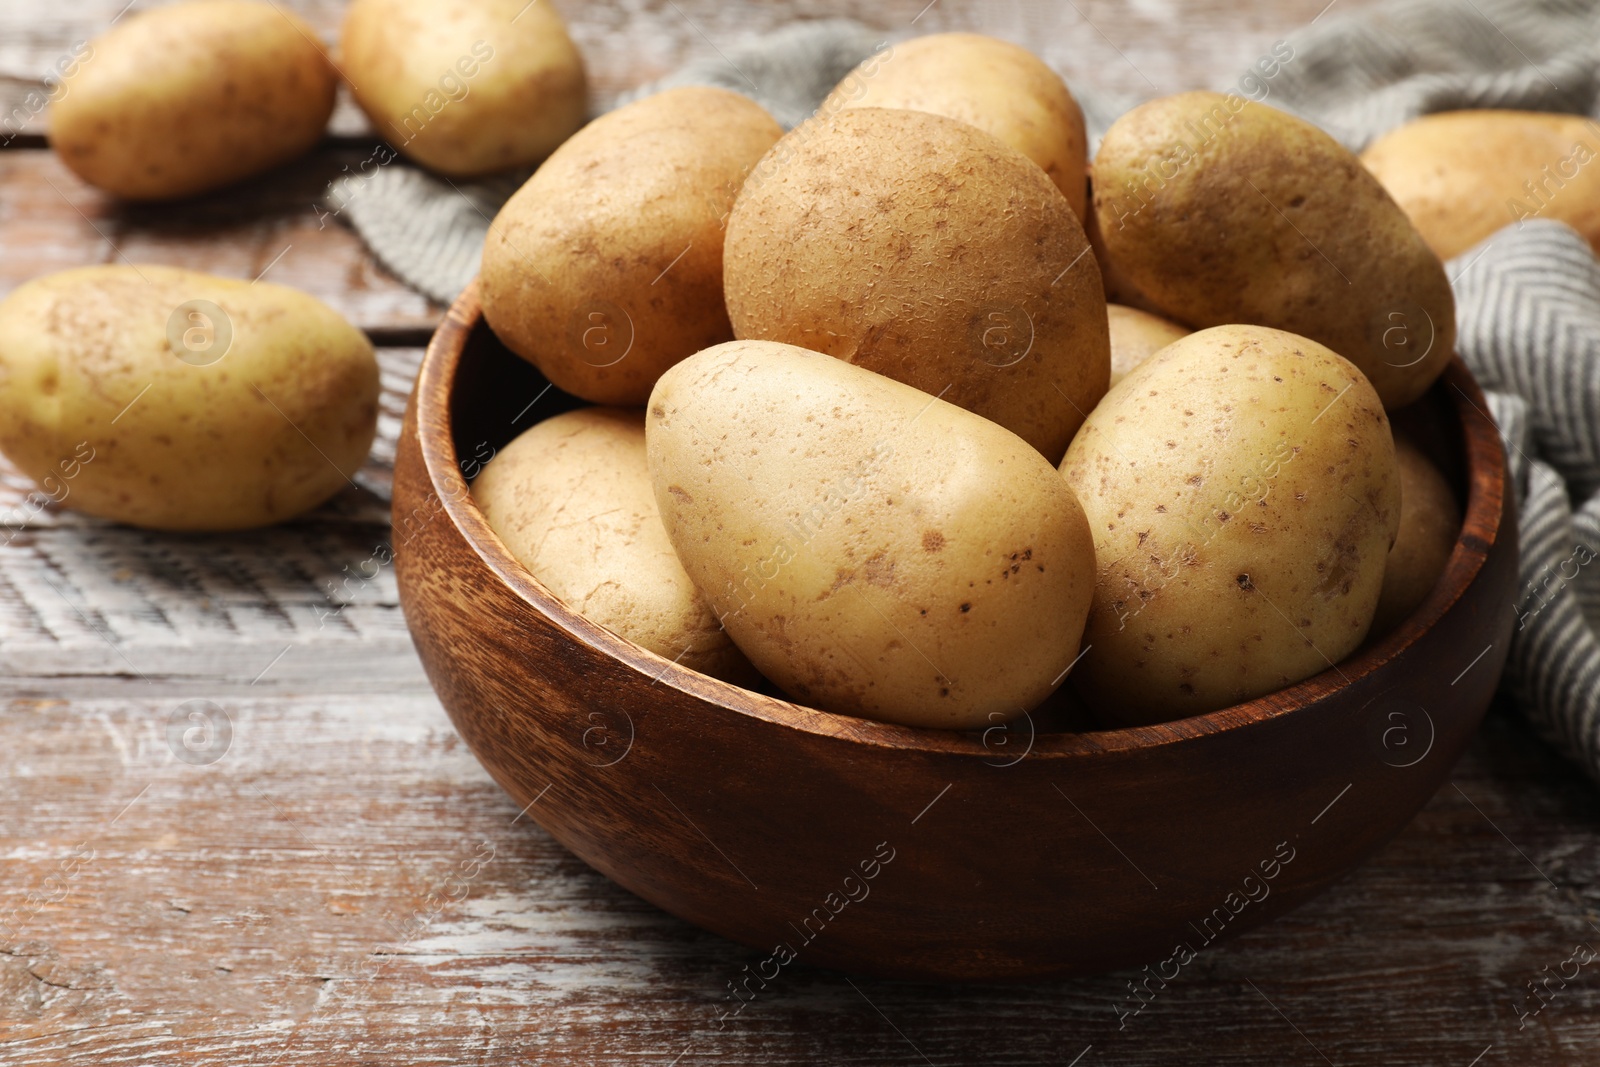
[[493, 396]]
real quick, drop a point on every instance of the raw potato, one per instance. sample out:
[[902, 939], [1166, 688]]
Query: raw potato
[[605, 269], [201, 403], [1242, 490], [571, 499], [1136, 336], [465, 88], [1222, 211], [873, 550], [188, 98], [1119, 290], [926, 250], [1001, 88], [1430, 522], [1462, 175]]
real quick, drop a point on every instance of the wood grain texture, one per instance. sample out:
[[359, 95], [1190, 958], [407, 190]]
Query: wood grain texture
[[207, 929], [303, 901], [268, 228]]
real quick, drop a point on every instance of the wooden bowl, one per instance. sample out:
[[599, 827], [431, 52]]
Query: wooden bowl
[[1010, 854]]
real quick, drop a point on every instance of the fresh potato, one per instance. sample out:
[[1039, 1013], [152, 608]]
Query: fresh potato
[[1119, 290], [1225, 211], [1462, 175], [1001, 88], [1430, 522], [873, 550], [571, 499], [465, 88], [605, 269], [1136, 336], [926, 250], [1242, 490], [201, 403], [192, 97]]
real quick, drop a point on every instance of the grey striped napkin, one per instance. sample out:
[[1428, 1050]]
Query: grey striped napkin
[[1528, 318], [1528, 297]]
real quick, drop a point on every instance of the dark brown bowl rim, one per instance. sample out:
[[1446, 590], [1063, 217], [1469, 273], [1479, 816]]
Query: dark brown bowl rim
[[1485, 477]]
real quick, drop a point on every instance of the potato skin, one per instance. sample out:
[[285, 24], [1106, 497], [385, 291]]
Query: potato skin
[[605, 269], [466, 88], [1136, 336], [1242, 490], [926, 250], [266, 430], [1119, 290], [1461, 175], [189, 98], [1430, 523], [571, 499], [875, 551], [1223, 211], [1001, 88]]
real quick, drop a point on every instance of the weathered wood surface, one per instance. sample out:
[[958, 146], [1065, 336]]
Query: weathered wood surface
[[346, 885], [270, 228]]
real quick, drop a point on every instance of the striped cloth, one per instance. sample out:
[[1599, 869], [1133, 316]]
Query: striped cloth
[[1528, 298], [1528, 315]]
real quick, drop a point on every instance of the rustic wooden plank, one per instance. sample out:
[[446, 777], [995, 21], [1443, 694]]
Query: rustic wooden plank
[[267, 228], [346, 885]]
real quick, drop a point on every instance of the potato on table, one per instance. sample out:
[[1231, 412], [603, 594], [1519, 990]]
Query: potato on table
[[203, 403], [1242, 491], [999, 87], [185, 99], [1223, 211], [926, 250], [605, 268], [571, 499], [874, 550], [1462, 175], [465, 88]]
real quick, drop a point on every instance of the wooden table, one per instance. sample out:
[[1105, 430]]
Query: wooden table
[[342, 883]]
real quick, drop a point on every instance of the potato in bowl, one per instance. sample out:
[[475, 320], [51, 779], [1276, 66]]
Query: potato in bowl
[[786, 790], [1230, 712]]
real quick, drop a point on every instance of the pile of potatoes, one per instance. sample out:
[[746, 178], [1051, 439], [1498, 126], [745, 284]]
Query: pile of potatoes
[[866, 428], [211, 404], [871, 431]]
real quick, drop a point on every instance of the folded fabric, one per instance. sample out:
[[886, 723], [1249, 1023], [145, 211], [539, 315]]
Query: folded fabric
[[1363, 75], [1528, 322]]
